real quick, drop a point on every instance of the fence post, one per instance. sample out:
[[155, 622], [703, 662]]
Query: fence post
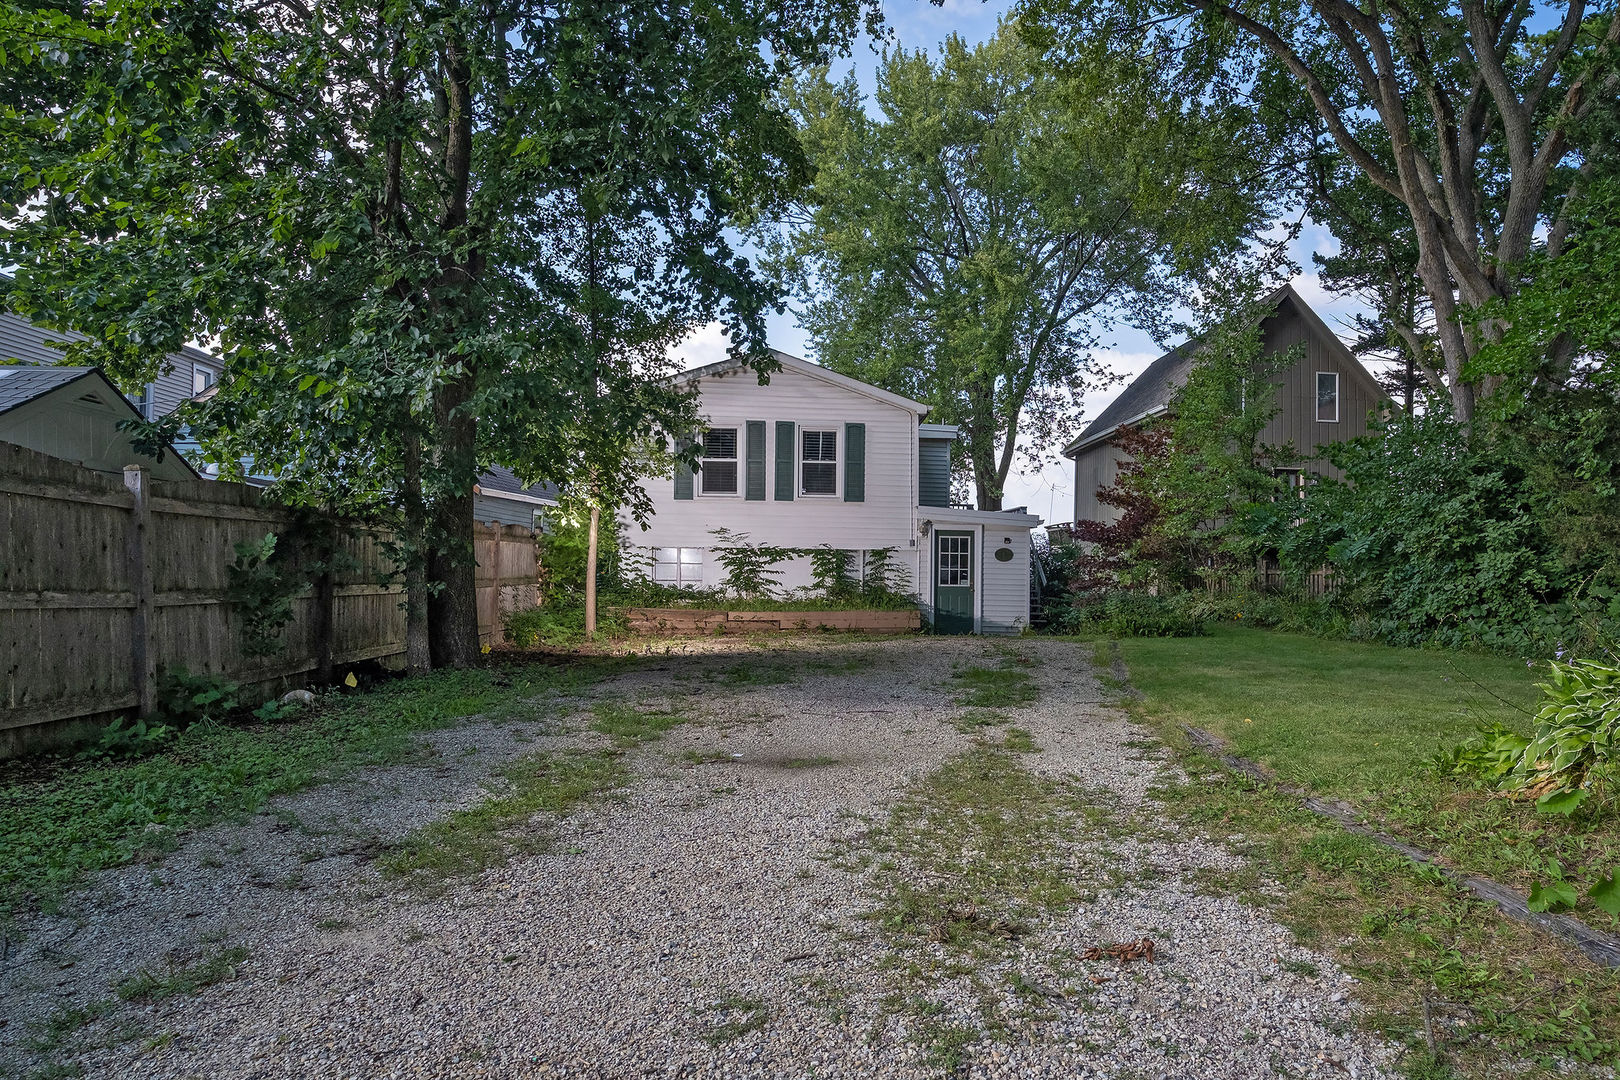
[[140, 584], [325, 601]]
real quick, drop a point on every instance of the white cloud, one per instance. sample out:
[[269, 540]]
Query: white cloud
[[705, 345]]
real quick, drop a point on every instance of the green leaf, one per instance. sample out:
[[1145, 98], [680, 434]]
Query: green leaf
[[1606, 895], [1562, 802], [1552, 896]]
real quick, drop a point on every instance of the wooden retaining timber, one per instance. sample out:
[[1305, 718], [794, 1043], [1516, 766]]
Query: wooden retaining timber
[[689, 622], [105, 580]]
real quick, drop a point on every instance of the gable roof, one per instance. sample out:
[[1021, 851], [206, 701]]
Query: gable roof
[[815, 371], [498, 481], [1151, 392], [20, 385]]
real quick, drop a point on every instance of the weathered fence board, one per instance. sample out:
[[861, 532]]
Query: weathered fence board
[[106, 581]]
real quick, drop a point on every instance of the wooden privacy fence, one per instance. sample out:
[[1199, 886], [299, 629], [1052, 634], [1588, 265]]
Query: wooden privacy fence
[[107, 580]]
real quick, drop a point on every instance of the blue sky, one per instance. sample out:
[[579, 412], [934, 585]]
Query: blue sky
[[916, 24]]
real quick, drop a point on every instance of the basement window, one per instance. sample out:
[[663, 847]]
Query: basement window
[[681, 567]]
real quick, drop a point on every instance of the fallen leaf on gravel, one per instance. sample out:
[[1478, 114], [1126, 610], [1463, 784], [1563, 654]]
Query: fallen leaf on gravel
[[1124, 952]]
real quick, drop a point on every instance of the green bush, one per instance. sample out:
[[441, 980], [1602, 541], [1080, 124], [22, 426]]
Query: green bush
[[1129, 614], [559, 626]]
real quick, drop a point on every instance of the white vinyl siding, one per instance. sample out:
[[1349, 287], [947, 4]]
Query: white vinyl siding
[[887, 517]]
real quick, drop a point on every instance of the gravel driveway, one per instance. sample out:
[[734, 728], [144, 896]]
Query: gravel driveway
[[714, 918]]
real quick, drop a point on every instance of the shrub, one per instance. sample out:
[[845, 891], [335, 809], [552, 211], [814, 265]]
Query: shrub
[[751, 569], [1129, 614]]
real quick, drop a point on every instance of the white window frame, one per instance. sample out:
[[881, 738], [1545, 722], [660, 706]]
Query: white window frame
[[1316, 397], [735, 460], [198, 370], [685, 569], [799, 435]]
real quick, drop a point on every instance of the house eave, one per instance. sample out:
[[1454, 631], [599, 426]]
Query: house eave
[[1088, 441]]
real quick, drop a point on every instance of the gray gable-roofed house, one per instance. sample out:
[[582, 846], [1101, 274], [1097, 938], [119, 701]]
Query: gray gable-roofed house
[[1326, 397], [73, 413], [499, 495]]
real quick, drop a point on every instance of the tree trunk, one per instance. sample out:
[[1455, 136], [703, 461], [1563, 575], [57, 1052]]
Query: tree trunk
[[418, 656], [453, 607], [590, 579], [451, 566]]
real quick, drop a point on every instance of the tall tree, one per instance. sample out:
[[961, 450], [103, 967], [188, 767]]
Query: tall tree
[[964, 240], [353, 197], [1473, 115]]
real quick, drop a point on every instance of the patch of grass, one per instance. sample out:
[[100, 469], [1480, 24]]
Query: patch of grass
[[147, 986], [735, 1017], [974, 849], [471, 841], [61, 819], [1361, 722], [1020, 741], [51, 1034], [631, 724], [973, 720], [947, 1044], [994, 688], [1402, 930], [763, 673]]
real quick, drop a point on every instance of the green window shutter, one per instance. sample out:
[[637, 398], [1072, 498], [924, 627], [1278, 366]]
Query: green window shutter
[[755, 490], [784, 460], [683, 472], [854, 462]]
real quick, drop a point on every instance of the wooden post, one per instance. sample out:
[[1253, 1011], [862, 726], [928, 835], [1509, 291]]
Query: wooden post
[[142, 664], [325, 601], [590, 580]]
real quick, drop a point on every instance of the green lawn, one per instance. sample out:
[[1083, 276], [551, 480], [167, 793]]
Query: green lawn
[[1361, 722], [1341, 717]]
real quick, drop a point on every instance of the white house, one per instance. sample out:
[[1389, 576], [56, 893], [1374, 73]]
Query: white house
[[807, 457]]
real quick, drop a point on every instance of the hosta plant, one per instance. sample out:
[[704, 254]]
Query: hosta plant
[[1575, 746]]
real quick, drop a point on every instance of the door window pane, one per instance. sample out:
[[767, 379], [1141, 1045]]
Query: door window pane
[[953, 561]]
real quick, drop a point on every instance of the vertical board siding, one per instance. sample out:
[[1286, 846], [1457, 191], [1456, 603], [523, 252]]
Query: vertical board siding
[[67, 602], [934, 472]]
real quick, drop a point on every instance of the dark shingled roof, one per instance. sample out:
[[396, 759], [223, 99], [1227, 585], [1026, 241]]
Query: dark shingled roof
[[497, 480], [1148, 392], [19, 385]]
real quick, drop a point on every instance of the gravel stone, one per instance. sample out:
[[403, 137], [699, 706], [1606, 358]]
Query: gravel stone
[[697, 903]]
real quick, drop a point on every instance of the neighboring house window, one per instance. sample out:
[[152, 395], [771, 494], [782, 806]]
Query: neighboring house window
[[1293, 480], [682, 567], [718, 469], [818, 467], [1327, 397], [145, 404], [201, 378]]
